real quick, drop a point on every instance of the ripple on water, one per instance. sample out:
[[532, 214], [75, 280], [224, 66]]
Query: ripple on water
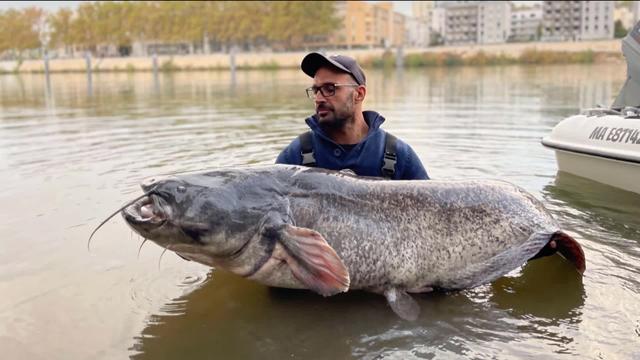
[[77, 154], [146, 290]]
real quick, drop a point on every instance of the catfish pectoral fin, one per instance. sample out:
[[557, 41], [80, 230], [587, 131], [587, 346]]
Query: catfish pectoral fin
[[402, 304], [313, 261]]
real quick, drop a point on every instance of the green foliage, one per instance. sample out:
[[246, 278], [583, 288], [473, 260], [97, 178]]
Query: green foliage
[[168, 65], [290, 22], [453, 60], [386, 61], [556, 57], [436, 59], [61, 27], [270, 65], [20, 29], [619, 30], [483, 59], [120, 23]]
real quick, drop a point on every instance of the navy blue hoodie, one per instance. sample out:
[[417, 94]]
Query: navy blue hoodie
[[365, 158]]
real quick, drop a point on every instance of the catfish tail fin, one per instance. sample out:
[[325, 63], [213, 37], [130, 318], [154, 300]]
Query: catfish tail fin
[[567, 246]]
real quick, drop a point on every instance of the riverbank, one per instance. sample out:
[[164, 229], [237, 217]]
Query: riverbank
[[496, 54]]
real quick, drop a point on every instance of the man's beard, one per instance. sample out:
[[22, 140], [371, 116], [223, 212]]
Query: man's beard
[[335, 123], [335, 120]]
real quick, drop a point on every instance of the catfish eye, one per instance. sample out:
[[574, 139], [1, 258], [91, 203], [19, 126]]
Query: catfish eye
[[181, 189]]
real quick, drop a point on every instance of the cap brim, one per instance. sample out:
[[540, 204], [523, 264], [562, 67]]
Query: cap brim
[[314, 61]]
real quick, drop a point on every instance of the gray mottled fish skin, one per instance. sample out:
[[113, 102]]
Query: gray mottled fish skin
[[392, 236], [415, 233]]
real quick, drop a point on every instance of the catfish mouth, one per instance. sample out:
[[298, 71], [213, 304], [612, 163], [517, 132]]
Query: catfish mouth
[[149, 211]]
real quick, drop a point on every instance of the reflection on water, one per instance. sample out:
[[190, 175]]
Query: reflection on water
[[241, 319], [70, 155], [612, 209]]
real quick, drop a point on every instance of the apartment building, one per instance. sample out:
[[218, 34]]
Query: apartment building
[[526, 23], [476, 22], [494, 21], [438, 21], [418, 33], [577, 20], [434, 14], [368, 25], [422, 9], [461, 22]]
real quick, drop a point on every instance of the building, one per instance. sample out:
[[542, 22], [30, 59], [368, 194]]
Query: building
[[434, 14], [367, 25], [526, 24], [418, 33], [422, 10], [398, 30], [419, 28], [461, 22], [494, 21], [437, 27], [476, 22], [598, 20], [577, 20]]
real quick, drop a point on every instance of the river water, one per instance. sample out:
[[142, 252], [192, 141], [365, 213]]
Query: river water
[[71, 152]]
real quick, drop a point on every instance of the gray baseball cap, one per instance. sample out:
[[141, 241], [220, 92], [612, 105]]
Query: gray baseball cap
[[313, 61]]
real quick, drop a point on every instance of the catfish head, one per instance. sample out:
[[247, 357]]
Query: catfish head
[[204, 217], [239, 221]]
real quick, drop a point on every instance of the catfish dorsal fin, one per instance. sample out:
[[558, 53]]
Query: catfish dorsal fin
[[313, 261]]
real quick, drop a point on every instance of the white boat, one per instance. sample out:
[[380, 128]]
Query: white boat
[[604, 144]]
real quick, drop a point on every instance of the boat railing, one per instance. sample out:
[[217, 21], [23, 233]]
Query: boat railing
[[628, 112]]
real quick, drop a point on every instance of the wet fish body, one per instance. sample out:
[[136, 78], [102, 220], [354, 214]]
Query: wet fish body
[[327, 231]]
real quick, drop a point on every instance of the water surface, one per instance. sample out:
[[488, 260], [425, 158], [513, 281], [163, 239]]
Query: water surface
[[72, 152]]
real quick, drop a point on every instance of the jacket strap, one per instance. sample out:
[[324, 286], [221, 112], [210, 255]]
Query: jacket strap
[[306, 148], [390, 156]]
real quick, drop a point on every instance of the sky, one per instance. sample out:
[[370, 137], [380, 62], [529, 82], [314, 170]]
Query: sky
[[47, 5]]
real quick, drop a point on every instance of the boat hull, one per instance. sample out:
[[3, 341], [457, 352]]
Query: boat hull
[[605, 149], [621, 174]]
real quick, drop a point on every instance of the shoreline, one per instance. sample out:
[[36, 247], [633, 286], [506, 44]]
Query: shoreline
[[601, 51]]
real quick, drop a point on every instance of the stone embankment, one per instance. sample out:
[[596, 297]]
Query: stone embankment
[[267, 60]]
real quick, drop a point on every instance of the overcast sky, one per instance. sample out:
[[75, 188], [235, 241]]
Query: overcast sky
[[48, 5]]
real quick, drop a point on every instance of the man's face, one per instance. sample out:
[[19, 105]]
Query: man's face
[[335, 111]]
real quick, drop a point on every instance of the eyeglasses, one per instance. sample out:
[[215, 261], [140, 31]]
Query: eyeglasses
[[326, 90]]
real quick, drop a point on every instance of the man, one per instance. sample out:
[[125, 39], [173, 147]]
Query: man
[[342, 136]]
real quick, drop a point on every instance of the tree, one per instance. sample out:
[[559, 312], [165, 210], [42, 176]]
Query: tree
[[288, 21], [120, 23], [83, 27], [21, 30], [619, 30], [61, 28]]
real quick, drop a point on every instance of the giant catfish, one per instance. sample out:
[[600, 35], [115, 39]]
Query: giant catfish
[[330, 232]]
